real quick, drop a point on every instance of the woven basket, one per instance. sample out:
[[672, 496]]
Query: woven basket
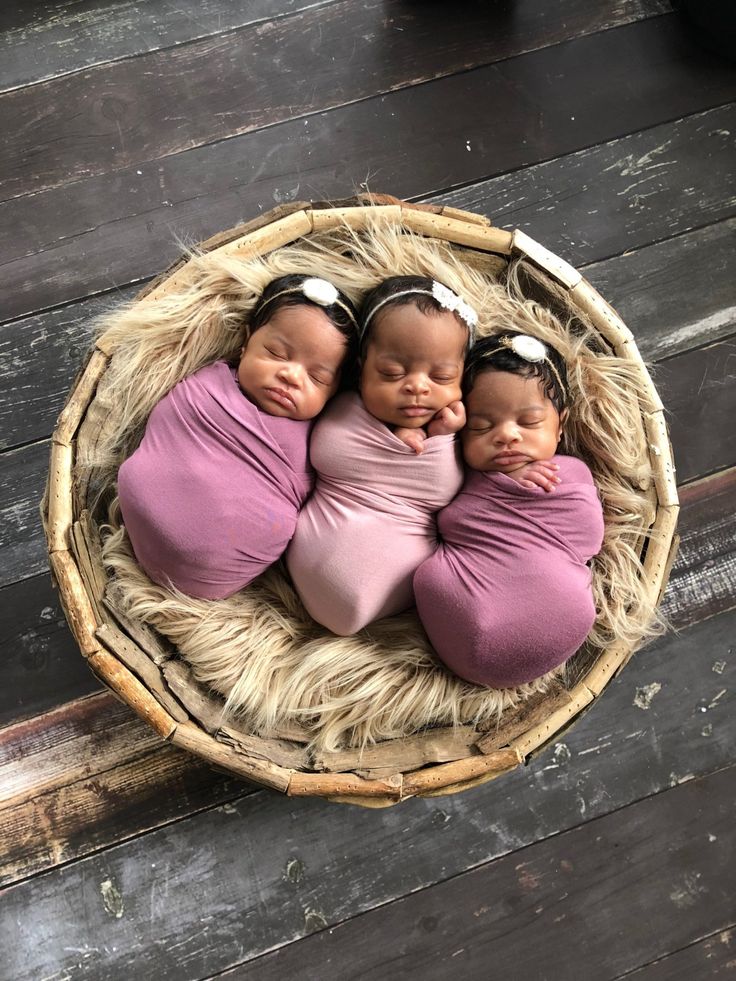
[[130, 658]]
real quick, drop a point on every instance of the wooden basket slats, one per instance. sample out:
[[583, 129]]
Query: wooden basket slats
[[131, 663], [137, 661]]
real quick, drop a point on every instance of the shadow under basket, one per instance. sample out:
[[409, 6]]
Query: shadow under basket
[[143, 668]]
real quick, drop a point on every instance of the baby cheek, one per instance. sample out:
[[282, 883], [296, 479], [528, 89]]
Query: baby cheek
[[473, 451], [446, 394]]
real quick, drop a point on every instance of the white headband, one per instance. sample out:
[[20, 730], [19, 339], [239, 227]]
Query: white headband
[[319, 291], [446, 299]]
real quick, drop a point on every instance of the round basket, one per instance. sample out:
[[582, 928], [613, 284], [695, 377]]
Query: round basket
[[142, 668]]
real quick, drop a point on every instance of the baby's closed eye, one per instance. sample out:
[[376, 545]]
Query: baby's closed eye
[[279, 355]]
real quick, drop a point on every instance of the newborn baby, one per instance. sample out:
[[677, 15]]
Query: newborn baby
[[211, 496], [386, 458], [507, 595]]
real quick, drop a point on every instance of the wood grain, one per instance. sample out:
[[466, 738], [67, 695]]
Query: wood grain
[[713, 957], [128, 220], [41, 40], [698, 390], [78, 740], [602, 201], [22, 479], [131, 798], [675, 294], [703, 580], [42, 666], [292, 67], [296, 866], [581, 890]]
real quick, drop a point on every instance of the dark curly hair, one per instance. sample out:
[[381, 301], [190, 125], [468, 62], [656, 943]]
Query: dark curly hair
[[491, 354]]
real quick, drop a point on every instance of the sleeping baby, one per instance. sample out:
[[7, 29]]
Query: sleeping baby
[[507, 595], [210, 497], [386, 458]]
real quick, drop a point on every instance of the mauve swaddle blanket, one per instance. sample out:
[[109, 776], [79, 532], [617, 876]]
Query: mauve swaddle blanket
[[370, 521], [210, 498], [507, 597]]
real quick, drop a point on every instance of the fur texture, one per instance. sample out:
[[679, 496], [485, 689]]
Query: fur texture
[[259, 649]]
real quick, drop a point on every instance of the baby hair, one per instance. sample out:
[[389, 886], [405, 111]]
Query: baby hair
[[495, 353], [288, 291], [400, 291]]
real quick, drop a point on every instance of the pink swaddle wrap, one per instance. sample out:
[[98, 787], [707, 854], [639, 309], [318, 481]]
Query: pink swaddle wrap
[[370, 521], [211, 496], [507, 596]]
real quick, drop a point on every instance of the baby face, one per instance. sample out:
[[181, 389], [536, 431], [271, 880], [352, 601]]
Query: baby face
[[291, 365], [511, 422], [413, 365]]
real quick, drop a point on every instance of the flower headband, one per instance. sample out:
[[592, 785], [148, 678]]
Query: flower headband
[[319, 291], [529, 349], [446, 299]]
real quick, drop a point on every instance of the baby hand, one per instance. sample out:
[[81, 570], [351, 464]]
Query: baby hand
[[449, 420], [539, 473], [414, 438]]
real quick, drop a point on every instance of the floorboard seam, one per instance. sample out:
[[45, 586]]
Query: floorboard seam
[[658, 960], [472, 868], [317, 5]]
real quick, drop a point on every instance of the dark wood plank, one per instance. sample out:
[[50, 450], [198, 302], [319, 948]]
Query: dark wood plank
[[264, 77], [703, 580], [676, 294], [714, 957], [42, 666], [697, 389], [602, 201], [23, 471], [127, 220], [40, 358], [655, 873], [22, 544], [54, 37], [89, 774], [306, 864], [78, 741]]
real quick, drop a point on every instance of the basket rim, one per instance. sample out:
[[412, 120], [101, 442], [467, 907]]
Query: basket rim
[[122, 662]]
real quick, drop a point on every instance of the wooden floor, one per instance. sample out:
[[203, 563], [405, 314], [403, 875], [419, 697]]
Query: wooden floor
[[603, 130]]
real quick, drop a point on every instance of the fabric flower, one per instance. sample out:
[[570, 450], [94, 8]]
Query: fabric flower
[[528, 348], [452, 302], [319, 291]]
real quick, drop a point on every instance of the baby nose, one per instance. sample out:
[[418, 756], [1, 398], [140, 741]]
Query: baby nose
[[291, 372], [507, 432], [416, 383]]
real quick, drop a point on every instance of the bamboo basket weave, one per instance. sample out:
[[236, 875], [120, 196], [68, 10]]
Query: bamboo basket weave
[[133, 661]]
